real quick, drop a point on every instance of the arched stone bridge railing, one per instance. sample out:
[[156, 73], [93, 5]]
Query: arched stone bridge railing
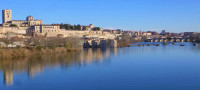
[[169, 40]]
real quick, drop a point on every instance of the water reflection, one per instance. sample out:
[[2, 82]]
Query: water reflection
[[35, 64], [8, 77]]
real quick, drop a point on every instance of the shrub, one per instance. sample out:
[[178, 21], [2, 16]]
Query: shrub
[[39, 48], [52, 47], [67, 45], [13, 25]]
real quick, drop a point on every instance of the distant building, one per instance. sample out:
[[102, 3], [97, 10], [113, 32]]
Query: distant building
[[107, 30], [154, 33], [163, 32], [88, 28], [117, 31], [174, 34], [186, 34], [147, 34]]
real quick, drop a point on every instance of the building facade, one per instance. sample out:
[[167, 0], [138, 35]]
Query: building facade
[[6, 16], [46, 29], [32, 27], [7, 20]]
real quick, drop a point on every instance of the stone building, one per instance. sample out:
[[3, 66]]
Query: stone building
[[46, 29], [6, 16], [7, 20], [32, 27]]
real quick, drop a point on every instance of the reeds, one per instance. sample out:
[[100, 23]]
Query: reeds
[[15, 53]]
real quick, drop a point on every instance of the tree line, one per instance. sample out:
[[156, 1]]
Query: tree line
[[77, 27]]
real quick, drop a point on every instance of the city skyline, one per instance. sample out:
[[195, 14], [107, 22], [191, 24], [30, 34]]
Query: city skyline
[[154, 15]]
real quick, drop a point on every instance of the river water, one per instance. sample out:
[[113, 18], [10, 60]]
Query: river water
[[164, 67]]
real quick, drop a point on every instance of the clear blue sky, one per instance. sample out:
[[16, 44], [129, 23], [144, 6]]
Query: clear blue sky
[[157, 15]]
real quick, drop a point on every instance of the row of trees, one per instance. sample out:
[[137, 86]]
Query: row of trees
[[38, 45], [44, 42], [53, 42], [77, 27], [97, 29], [70, 27]]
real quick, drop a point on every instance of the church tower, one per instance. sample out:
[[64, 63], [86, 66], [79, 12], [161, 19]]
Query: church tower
[[6, 15], [30, 18]]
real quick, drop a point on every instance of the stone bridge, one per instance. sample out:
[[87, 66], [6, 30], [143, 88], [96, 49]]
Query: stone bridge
[[169, 40]]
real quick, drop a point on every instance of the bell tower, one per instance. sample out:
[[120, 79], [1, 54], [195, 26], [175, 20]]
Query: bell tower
[[6, 15]]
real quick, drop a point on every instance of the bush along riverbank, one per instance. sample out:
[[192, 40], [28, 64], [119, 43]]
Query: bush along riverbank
[[125, 40], [16, 53], [41, 45]]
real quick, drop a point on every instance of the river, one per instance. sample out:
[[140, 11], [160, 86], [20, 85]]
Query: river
[[164, 67]]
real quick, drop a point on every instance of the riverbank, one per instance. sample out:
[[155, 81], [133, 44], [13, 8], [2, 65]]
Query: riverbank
[[16, 53], [20, 48]]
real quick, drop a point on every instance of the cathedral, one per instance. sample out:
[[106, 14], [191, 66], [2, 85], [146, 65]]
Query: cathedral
[[29, 26], [7, 20]]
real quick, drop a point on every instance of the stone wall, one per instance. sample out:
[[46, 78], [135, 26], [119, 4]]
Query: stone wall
[[53, 32], [14, 30], [88, 34], [100, 44]]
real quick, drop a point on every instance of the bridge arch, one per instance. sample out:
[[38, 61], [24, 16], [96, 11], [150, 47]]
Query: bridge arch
[[166, 40], [182, 40], [188, 40], [161, 40], [156, 40], [172, 40], [178, 40]]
